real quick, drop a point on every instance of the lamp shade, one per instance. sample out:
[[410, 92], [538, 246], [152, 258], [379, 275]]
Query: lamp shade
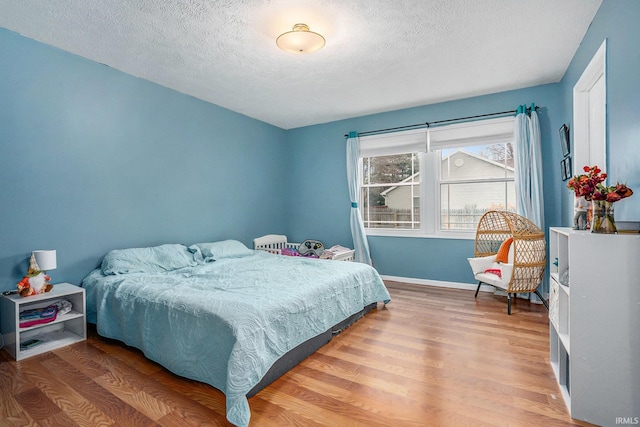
[[300, 40], [46, 259]]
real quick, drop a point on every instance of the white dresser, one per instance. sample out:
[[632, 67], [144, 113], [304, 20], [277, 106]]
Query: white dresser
[[594, 313]]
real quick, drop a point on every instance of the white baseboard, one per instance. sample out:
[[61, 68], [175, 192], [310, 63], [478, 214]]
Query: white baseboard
[[451, 285], [439, 283]]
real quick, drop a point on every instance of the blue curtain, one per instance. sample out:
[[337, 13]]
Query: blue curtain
[[535, 148], [360, 243], [529, 165], [529, 170]]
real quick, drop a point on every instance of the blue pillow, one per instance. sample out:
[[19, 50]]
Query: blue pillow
[[219, 250], [155, 259]]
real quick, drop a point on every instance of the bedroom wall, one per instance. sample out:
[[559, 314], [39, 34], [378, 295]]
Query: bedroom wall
[[616, 21], [318, 194], [320, 203], [92, 159]]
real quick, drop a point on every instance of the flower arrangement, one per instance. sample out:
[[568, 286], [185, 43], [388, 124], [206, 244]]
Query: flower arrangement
[[589, 185]]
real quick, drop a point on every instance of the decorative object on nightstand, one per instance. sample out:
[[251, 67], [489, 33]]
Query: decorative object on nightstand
[[46, 259], [34, 337], [36, 281], [590, 186]]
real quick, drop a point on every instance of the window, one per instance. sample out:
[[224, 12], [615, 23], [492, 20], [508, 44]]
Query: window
[[391, 192], [439, 180], [473, 181]]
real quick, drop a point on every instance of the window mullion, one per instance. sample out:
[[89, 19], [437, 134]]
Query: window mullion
[[430, 191]]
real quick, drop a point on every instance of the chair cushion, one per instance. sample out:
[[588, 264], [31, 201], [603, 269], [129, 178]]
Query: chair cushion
[[493, 279], [503, 252], [480, 264], [496, 271]]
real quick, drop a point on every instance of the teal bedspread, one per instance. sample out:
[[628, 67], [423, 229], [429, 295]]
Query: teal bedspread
[[226, 322]]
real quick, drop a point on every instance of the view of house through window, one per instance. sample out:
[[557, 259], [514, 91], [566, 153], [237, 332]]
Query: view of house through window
[[391, 192], [441, 181], [474, 180]]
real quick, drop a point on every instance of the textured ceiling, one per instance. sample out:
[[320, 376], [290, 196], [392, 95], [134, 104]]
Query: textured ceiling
[[380, 55]]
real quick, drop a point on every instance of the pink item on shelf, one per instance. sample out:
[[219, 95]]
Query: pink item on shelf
[[38, 316]]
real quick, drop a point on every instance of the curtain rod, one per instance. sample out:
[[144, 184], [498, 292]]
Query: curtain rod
[[428, 124]]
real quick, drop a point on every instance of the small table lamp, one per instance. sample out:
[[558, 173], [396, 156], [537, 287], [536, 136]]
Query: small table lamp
[[46, 259]]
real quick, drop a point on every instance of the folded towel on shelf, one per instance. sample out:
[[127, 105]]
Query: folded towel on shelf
[[38, 316]]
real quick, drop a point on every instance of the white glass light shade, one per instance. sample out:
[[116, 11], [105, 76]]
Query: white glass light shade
[[46, 260], [300, 40]]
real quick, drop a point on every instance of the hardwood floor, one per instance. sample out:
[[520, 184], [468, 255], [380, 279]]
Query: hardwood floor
[[432, 357]]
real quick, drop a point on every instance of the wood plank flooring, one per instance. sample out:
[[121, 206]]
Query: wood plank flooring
[[432, 357]]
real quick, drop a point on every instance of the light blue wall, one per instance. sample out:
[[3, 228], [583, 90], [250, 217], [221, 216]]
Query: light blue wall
[[321, 149], [617, 21], [318, 195], [93, 159]]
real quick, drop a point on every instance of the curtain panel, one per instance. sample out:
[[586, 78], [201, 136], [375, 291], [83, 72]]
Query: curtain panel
[[528, 177], [354, 178]]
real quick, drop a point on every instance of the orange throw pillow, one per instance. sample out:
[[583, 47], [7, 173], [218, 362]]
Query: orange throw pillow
[[503, 253]]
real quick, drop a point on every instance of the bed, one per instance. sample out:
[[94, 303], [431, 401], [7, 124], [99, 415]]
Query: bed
[[226, 315]]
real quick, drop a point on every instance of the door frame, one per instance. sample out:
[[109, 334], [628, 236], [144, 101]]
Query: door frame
[[589, 148]]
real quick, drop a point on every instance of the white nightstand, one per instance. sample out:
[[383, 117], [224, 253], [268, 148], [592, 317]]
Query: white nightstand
[[67, 329]]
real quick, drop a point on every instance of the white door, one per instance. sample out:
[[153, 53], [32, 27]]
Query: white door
[[590, 115]]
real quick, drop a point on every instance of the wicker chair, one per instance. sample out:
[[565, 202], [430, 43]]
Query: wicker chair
[[524, 269]]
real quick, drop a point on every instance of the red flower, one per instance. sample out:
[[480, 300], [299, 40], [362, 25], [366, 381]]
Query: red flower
[[613, 197], [589, 186], [623, 190], [585, 185]]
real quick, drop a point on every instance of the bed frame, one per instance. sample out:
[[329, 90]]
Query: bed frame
[[297, 354], [274, 243], [359, 285]]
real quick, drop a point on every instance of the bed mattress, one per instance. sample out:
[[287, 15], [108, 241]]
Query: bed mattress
[[227, 322]]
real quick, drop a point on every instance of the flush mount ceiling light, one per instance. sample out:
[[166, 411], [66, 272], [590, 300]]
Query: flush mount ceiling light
[[300, 40]]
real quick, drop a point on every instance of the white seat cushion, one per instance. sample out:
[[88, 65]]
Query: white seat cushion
[[480, 264], [495, 280]]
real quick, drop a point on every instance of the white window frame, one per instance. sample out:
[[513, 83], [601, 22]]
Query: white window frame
[[364, 190], [428, 142]]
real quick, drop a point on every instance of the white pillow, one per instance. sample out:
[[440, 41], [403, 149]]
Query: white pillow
[[219, 250], [155, 259]]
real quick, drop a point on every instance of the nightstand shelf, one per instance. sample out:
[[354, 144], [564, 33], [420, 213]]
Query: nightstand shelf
[[66, 329]]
